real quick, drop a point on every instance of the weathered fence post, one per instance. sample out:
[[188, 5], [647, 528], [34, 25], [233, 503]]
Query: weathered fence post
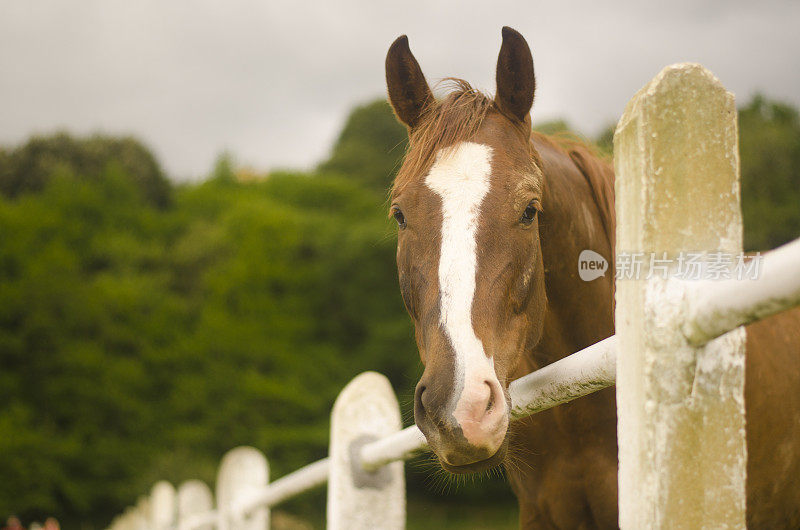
[[681, 409], [242, 471], [194, 500], [140, 514], [130, 519], [162, 506], [358, 499]]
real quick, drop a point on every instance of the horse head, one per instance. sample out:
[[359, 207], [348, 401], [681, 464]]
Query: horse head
[[467, 201]]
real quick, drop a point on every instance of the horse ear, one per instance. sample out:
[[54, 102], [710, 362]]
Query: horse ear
[[515, 80], [408, 90]]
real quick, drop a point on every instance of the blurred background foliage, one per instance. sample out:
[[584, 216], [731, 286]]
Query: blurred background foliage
[[147, 327]]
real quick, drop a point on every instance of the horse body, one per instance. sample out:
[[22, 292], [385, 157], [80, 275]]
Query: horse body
[[772, 415], [492, 219]]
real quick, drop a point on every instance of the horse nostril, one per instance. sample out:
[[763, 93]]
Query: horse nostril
[[496, 397], [418, 398], [490, 403]]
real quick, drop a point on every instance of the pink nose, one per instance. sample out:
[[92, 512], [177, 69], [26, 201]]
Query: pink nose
[[481, 414]]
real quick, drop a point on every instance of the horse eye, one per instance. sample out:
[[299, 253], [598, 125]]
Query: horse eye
[[529, 214], [399, 217]]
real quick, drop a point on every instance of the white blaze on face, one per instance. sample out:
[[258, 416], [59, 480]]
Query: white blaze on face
[[460, 177]]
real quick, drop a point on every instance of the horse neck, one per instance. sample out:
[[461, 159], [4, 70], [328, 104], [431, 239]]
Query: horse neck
[[578, 215]]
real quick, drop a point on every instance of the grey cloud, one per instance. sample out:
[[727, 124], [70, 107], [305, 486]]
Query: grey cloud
[[272, 82]]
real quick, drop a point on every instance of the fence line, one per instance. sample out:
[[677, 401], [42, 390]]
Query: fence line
[[665, 323]]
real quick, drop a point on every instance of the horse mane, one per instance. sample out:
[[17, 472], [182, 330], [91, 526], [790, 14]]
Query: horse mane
[[596, 169], [444, 122]]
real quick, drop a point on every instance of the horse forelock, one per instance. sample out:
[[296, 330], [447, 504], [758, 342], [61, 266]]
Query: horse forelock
[[445, 122]]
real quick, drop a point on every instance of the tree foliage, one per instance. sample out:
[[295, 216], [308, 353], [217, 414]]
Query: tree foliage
[[29, 167], [140, 343], [769, 147], [370, 147]]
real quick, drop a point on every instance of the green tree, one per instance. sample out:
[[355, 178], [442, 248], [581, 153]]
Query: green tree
[[769, 145], [139, 343], [224, 168], [370, 147], [83, 307], [605, 140], [553, 127], [29, 167]]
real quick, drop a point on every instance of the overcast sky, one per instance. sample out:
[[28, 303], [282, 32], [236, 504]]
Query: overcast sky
[[273, 81]]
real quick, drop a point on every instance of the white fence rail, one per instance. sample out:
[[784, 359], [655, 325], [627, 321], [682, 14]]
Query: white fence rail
[[676, 159]]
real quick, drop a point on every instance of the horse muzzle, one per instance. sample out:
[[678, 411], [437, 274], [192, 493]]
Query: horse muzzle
[[466, 432]]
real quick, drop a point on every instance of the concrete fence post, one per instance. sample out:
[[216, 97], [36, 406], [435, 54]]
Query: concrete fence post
[[194, 500], [140, 515], [162, 506], [365, 410], [242, 471], [120, 522], [132, 520], [125, 520], [680, 408]]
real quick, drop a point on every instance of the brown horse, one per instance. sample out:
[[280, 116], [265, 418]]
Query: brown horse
[[492, 218]]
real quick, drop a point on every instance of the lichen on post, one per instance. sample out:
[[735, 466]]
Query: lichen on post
[[680, 408]]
